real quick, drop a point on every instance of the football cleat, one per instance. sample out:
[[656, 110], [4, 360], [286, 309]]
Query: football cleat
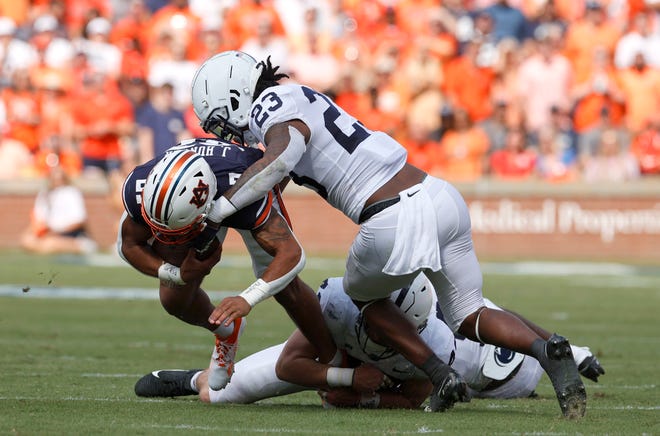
[[563, 372], [166, 383], [451, 390], [222, 361]]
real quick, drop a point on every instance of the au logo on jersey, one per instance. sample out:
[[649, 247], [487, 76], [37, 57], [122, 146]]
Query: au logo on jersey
[[200, 194]]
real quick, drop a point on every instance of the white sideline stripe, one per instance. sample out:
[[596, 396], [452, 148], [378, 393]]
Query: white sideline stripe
[[544, 268], [84, 293]]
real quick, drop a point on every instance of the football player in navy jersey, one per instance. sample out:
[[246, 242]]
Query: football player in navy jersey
[[410, 221], [166, 204]]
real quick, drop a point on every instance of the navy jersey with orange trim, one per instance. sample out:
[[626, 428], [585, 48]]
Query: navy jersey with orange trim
[[228, 162]]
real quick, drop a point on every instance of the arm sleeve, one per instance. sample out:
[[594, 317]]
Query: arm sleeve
[[258, 185]]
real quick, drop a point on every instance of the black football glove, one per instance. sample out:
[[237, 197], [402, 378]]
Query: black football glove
[[591, 369]]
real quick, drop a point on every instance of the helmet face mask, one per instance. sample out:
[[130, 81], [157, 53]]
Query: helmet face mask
[[415, 301], [222, 94], [177, 196]]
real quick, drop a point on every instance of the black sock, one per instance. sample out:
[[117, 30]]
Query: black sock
[[436, 369], [538, 350]]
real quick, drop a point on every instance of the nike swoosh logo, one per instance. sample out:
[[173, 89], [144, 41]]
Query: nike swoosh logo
[[410, 195]]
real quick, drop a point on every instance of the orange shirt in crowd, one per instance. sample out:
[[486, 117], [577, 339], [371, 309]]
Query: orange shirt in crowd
[[642, 91], [469, 87], [240, 19], [512, 165], [425, 155], [646, 148], [17, 10], [582, 39], [464, 154], [22, 112], [98, 110], [180, 23]]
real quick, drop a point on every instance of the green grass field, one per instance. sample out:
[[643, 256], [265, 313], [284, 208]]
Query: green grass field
[[69, 364]]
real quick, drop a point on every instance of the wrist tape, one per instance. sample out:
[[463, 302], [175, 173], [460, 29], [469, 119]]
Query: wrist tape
[[339, 377], [170, 273], [257, 292]]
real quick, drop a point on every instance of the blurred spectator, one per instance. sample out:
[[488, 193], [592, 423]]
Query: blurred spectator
[[77, 13], [176, 20], [555, 163], [639, 38], [423, 74], [611, 163], [102, 117], [14, 53], [56, 145], [516, 161], [266, 43], [468, 84], [464, 150], [544, 80], [545, 14], [21, 110], [16, 161], [209, 41], [508, 21], [16, 10], [495, 127], [562, 125], [599, 92], [159, 125], [54, 50], [583, 36], [439, 38], [59, 219], [132, 28], [646, 147], [641, 86], [95, 44], [240, 18], [589, 140], [505, 83], [175, 69], [314, 67], [423, 152]]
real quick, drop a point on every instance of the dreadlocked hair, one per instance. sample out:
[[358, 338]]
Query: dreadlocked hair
[[269, 77]]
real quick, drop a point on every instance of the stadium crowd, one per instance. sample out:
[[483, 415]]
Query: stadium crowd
[[556, 90]]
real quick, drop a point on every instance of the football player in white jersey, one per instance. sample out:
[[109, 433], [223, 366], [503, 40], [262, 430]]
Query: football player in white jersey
[[490, 372], [410, 222]]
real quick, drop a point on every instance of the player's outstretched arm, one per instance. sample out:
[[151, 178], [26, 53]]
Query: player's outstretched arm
[[297, 364], [275, 237], [285, 145]]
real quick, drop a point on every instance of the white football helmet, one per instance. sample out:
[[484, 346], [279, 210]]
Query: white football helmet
[[415, 301], [177, 196], [223, 92]]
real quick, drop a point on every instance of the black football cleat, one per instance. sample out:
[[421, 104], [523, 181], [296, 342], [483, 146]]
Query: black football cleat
[[166, 383], [452, 389], [563, 372]]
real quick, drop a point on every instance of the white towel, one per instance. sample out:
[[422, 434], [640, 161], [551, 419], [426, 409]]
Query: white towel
[[416, 240]]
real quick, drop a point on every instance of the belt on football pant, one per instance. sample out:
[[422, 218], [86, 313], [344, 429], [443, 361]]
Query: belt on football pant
[[377, 207]]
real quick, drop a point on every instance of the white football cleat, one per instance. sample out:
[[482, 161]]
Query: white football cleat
[[222, 360]]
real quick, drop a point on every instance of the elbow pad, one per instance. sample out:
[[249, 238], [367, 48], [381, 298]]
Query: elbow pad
[[259, 184]]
